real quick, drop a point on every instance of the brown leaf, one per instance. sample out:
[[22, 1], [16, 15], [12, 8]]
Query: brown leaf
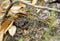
[[7, 23]]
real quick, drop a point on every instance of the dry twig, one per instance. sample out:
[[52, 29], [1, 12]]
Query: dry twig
[[40, 7]]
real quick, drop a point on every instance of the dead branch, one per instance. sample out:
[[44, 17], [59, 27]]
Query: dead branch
[[40, 7]]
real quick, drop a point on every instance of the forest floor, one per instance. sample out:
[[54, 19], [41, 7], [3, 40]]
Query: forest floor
[[37, 20]]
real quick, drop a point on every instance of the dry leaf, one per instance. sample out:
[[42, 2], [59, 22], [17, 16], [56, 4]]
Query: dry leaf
[[12, 30], [6, 24], [4, 28], [8, 27]]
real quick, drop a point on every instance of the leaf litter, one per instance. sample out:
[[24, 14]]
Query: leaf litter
[[30, 23]]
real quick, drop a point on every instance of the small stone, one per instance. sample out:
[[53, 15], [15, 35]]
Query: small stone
[[12, 30]]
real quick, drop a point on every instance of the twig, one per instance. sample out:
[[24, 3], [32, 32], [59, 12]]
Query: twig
[[8, 9], [40, 7]]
